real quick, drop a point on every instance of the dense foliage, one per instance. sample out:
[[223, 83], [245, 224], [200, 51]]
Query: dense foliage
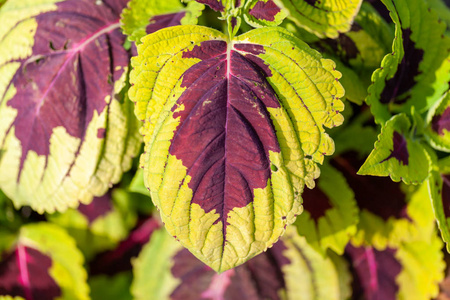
[[224, 149]]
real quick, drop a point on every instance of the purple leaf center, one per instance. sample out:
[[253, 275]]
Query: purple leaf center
[[265, 10], [25, 273], [400, 151], [441, 122]]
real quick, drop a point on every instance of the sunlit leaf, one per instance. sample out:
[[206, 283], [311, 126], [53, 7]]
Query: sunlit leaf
[[324, 18], [397, 155], [66, 133], [417, 71], [143, 17], [44, 263], [231, 134]]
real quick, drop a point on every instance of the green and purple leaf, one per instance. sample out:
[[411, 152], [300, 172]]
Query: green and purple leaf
[[417, 71], [231, 136], [100, 225], [273, 275], [260, 13], [66, 134], [330, 212], [324, 18], [397, 155], [44, 263], [438, 128], [389, 213], [439, 189], [143, 17]]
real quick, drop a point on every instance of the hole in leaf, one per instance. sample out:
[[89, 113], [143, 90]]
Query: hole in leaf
[[274, 168]]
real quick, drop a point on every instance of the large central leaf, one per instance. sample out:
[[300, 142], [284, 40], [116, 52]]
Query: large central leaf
[[233, 131]]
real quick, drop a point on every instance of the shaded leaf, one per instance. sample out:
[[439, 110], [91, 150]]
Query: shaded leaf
[[100, 225], [439, 189], [397, 155], [66, 135], [325, 18], [43, 264], [291, 269], [260, 13], [374, 272], [389, 212], [438, 128], [231, 136], [330, 212], [111, 287], [411, 271], [143, 17], [119, 259], [417, 71]]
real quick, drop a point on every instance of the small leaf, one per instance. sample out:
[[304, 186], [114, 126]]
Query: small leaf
[[324, 18], [439, 188], [417, 71], [438, 128], [396, 155], [260, 13], [231, 134], [143, 17], [67, 133], [330, 212], [43, 264], [217, 5]]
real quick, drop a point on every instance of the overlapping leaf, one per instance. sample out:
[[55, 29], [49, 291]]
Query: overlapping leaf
[[44, 263], [390, 212], [100, 225], [397, 155], [325, 18], [417, 71], [439, 188], [411, 271], [330, 212], [438, 120], [66, 134], [143, 17], [291, 269], [260, 13], [359, 51], [233, 130]]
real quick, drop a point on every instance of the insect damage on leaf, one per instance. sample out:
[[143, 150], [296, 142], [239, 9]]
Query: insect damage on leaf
[[230, 138]]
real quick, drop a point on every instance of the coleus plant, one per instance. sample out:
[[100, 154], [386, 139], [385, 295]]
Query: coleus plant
[[231, 100]]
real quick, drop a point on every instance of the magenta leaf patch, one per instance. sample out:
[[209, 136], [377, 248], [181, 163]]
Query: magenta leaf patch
[[99, 206], [374, 272], [265, 10], [25, 273]]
